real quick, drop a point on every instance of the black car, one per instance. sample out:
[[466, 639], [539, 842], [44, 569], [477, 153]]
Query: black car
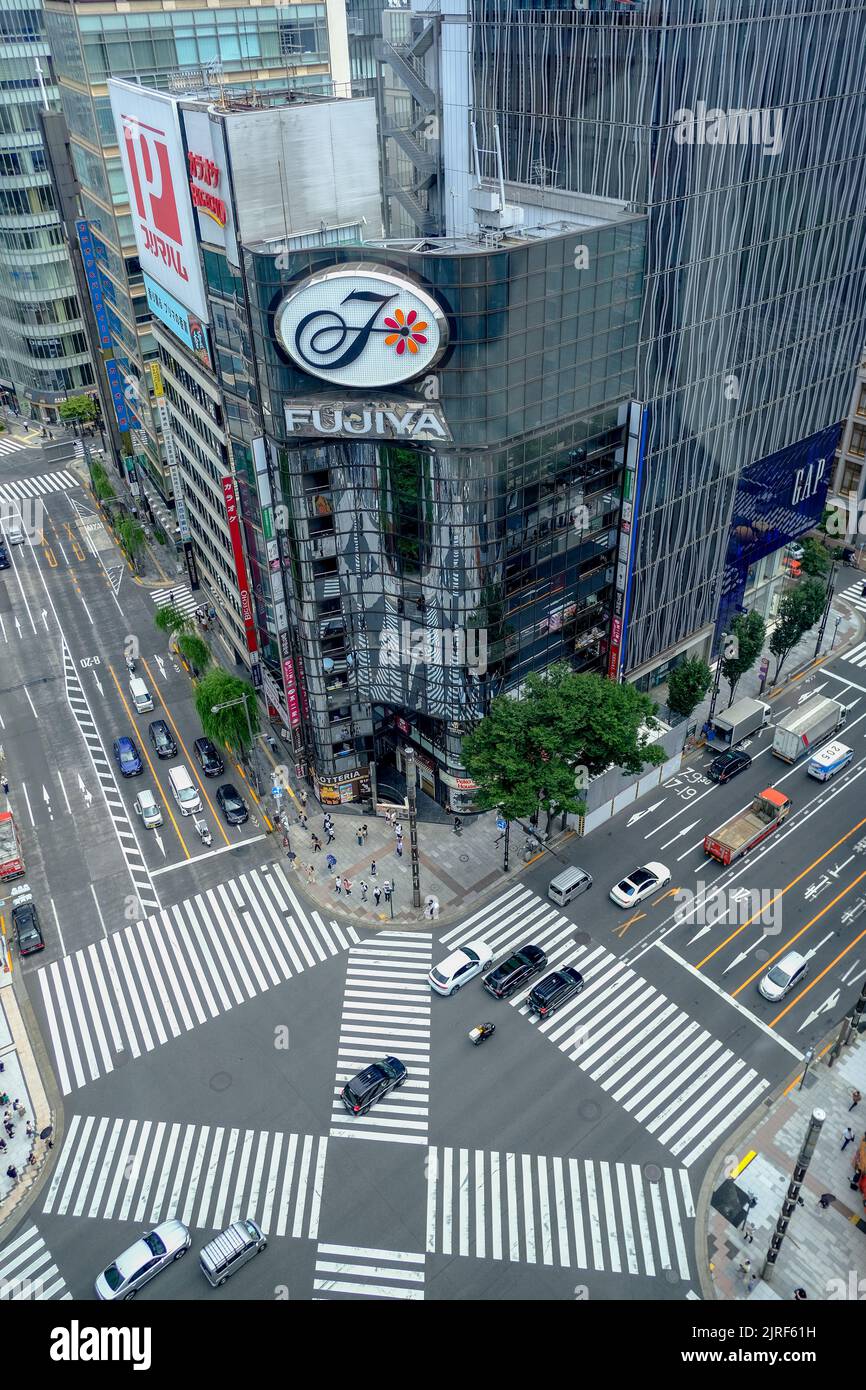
[[723, 768], [4, 558], [159, 734], [28, 931], [232, 804], [127, 757], [371, 1084], [211, 763], [555, 990], [515, 971]]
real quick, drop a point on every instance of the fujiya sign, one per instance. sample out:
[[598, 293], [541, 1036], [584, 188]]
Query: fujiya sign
[[361, 325], [383, 421]]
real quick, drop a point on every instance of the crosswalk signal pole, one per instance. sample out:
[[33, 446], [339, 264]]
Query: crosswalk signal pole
[[792, 1196], [409, 767]]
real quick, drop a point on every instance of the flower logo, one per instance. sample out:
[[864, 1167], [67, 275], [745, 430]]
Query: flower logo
[[407, 331]]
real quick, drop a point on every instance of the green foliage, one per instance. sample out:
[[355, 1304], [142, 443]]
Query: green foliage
[[537, 752], [800, 609], [815, 560], [159, 535], [78, 410], [196, 651], [750, 631], [102, 483], [131, 536], [228, 725], [688, 683], [170, 619]]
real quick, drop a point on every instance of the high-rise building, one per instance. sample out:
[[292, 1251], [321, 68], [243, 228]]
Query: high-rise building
[[45, 349], [212, 49]]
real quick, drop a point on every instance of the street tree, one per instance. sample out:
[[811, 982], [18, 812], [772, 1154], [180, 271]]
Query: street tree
[[688, 683], [815, 560], [232, 725], [750, 631], [102, 488], [132, 538], [799, 610], [195, 650], [78, 410], [171, 620], [538, 753]]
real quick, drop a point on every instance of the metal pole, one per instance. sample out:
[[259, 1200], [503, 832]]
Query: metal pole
[[254, 760], [505, 850], [835, 633], [850, 1025], [789, 1204], [808, 1058], [409, 767], [825, 615], [717, 682]]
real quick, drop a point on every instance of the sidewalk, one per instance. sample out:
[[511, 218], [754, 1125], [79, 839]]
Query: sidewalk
[[823, 1252], [22, 1080]]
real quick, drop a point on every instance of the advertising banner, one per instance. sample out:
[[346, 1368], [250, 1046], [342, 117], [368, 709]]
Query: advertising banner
[[171, 455], [94, 284], [184, 325], [115, 386], [208, 181], [154, 165], [234, 521]]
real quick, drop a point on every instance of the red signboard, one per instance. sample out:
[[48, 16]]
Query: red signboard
[[234, 521], [290, 686], [302, 687], [615, 641]]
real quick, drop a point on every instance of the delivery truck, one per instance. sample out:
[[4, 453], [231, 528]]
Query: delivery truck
[[11, 858], [737, 722], [798, 732], [750, 827]]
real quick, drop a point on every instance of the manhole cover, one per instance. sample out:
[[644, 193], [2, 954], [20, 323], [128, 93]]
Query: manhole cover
[[652, 1172], [581, 938], [464, 859], [762, 956], [589, 1110], [220, 1081], [671, 1277]]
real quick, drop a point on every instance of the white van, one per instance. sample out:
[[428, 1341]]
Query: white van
[[184, 790], [145, 805], [140, 695], [569, 884], [829, 761], [231, 1250]]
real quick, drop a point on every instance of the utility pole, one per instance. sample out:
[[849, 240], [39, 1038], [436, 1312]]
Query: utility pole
[[850, 1025], [789, 1204], [409, 768], [728, 649], [505, 850], [828, 601]]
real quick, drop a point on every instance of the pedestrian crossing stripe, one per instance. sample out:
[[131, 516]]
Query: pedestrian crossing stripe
[[40, 486], [649, 1055], [180, 596], [10, 445], [27, 1270], [357, 1271], [206, 1176], [386, 1012], [151, 981], [565, 1212]]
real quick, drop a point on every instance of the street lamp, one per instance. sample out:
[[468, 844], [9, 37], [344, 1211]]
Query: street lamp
[[230, 704]]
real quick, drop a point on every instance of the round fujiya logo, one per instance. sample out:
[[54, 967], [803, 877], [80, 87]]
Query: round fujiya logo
[[361, 325]]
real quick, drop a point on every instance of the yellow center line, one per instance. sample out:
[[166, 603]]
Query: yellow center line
[[796, 937], [818, 978], [788, 886], [192, 765], [49, 555], [149, 763]]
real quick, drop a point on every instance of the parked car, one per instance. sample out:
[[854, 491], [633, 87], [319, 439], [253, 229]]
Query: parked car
[[728, 765], [781, 978], [555, 990], [371, 1084], [4, 558], [162, 739], [460, 967], [15, 533], [25, 922], [155, 1250], [639, 884], [232, 804], [514, 972], [127, 757], [212, 764]]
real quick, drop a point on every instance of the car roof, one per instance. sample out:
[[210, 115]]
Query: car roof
[[792, 960], [125, 741]]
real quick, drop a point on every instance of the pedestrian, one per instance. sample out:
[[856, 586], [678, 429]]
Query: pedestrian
[[331, 862], [311, 873], [364, 889], [387, 889], [338, 884], [752, 1284], [458, 825], [359, 837], [4, 1099], [2, 1146], [317, 845], [855, 1095], [825, 1199], [399, 849], [848, 1137], [748, 1232], [302, 820], [31, 1157], [12, 1172], [377, 893], [398, 830], [303, 796], [4, 783], [326, 821], [364, 830], [21, 1112], [800, 1294], [347, 886], [329, 831], [744, 1265], [373, 869]]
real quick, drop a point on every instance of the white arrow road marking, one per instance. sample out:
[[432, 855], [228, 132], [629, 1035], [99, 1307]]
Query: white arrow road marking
[[27, 799], [837, 868], [853, 913], [18, 626], [47, 799], [98, 683], [158, 838], [65, 797], [161, 664], [639, 815], [685, 830], [745, 954], [44, 616], [851, 968], [829, 1003]]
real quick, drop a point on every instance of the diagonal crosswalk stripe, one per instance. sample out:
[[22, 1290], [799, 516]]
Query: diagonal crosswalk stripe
[[357, 1271], [180, 595], [38, 486], [27, 1270]]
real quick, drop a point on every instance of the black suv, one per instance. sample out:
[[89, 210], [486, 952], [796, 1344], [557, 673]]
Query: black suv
[[515, 971], [4, 558], [160, 736], [722, 769], [28, 932], [211, 763], [555, 990], [232, 804], [371, 1084]]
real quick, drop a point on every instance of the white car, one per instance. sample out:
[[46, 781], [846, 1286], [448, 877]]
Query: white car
[[460, 967], [136, 1266], [784, 975], [640, 883], [15, 533]]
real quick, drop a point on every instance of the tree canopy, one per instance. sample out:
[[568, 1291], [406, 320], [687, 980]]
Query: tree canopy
[[815, 560], [800, 609], [750, 631], [688, 683], [230, 726], [78, 410]]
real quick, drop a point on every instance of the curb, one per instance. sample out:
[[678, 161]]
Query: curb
[[24, 1195]]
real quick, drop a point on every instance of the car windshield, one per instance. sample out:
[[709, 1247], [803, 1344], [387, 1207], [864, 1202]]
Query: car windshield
[[778, 976], [113, 1277], [154, 1244], [439, 977], [470, 954], [641, 877], [127, 755], [188, 794], [514, 963], [387, 1068], [232, 801]]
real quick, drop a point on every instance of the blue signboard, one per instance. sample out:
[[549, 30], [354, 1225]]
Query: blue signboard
[[116, 384], [182, 323], [94, 285]]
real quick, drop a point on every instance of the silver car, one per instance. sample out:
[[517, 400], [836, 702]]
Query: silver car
[[136, 1266]]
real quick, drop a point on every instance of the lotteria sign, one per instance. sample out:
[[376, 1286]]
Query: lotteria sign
[[361, 325], [234, 521]]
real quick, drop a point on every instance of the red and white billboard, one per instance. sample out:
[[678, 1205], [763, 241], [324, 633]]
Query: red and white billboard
[[234, 521], [154, 165]]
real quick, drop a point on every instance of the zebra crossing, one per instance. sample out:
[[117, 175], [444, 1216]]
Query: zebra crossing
[[562, 1212], [854, 595], [39, 486], [650, 1056], [206, 1176], [27, 1270], [386, 1012], [356, 1271], [181, 967], [180, 595], [10, 445], [125, 831]]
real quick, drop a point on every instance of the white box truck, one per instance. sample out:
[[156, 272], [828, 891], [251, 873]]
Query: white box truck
[[737, 722], [799, 731]]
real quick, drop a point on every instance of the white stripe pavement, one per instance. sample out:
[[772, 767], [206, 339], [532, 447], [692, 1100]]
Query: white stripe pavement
[[38, 486], [357, 1271], [27, 1270]]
